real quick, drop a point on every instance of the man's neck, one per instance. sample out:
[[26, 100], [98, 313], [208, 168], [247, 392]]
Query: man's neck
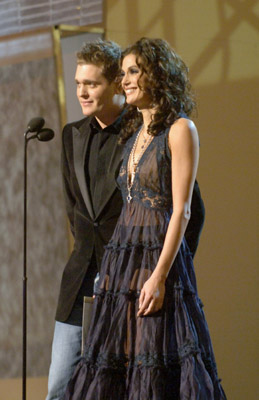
[[108, 117]]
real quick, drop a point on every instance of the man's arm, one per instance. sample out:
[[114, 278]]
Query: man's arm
[[195, 225], [68, 195]]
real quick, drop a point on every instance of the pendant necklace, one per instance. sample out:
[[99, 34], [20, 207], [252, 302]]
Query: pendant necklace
[[135, 161]]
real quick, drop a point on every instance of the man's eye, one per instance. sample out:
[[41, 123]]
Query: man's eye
[[92, 85]]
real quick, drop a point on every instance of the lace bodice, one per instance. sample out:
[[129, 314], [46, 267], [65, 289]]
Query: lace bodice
[[152, 183]]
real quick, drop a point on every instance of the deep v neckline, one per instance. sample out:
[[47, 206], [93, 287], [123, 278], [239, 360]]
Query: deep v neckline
[[130, 178], [141, 157]]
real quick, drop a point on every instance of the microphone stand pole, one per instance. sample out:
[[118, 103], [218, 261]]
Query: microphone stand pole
[[24, 364], [24, 271]]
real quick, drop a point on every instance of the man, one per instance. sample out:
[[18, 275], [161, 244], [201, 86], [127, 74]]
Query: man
[[90, 160]]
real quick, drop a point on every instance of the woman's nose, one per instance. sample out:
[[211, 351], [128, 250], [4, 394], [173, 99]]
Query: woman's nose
[[125, 80]]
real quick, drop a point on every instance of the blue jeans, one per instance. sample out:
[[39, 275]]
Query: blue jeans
[[66, 353]]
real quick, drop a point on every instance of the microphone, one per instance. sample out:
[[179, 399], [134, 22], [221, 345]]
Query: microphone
[[35, 125], [44, 135]]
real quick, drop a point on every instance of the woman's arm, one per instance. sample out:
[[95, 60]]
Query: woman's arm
[[184, 147]]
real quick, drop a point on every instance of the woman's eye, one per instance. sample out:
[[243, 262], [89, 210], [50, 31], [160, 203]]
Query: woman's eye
[[134, 71]]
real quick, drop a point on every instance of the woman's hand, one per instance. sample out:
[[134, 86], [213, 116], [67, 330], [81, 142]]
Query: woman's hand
[[151, 296]]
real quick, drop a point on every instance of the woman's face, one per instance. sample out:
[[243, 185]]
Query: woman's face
[[134, 84]]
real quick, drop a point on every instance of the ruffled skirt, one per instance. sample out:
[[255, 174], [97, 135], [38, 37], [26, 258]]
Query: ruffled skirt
[[165, 356]]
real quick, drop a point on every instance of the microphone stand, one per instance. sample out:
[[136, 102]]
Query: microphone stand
[[24, 365], [35, 125], [24, 271]]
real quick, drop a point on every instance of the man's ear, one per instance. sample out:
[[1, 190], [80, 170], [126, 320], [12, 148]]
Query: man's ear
[[118, 87], [119, 100]]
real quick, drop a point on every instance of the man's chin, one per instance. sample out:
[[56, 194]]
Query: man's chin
[[88, 113]]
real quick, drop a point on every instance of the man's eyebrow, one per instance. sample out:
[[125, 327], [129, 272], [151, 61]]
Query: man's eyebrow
[[86, 81]]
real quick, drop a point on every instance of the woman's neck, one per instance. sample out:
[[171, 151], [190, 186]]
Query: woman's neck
[[147, 116]]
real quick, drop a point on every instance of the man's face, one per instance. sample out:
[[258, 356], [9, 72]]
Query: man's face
[[94, 92]]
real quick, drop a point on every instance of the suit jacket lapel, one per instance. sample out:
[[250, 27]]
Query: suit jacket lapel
[[104, 190], [80, 142]]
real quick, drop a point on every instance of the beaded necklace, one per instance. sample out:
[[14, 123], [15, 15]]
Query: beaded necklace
[[135, 161]]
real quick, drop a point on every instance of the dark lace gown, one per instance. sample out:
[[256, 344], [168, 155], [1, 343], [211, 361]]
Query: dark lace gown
[[164, 356]]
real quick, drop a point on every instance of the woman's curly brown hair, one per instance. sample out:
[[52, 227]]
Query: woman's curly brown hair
[[167, 85]]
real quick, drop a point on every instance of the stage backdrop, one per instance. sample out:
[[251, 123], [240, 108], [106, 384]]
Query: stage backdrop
[[28, 87]]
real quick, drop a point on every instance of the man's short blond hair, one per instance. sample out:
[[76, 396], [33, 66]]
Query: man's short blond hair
[[103, 53]]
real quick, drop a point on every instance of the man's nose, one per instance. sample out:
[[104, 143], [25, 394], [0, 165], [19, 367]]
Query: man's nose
[[82, 91]]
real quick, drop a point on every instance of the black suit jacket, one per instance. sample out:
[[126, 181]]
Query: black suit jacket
[[92, 231]]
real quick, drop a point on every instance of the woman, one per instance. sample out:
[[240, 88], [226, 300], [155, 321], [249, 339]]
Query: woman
[[148, 339]]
